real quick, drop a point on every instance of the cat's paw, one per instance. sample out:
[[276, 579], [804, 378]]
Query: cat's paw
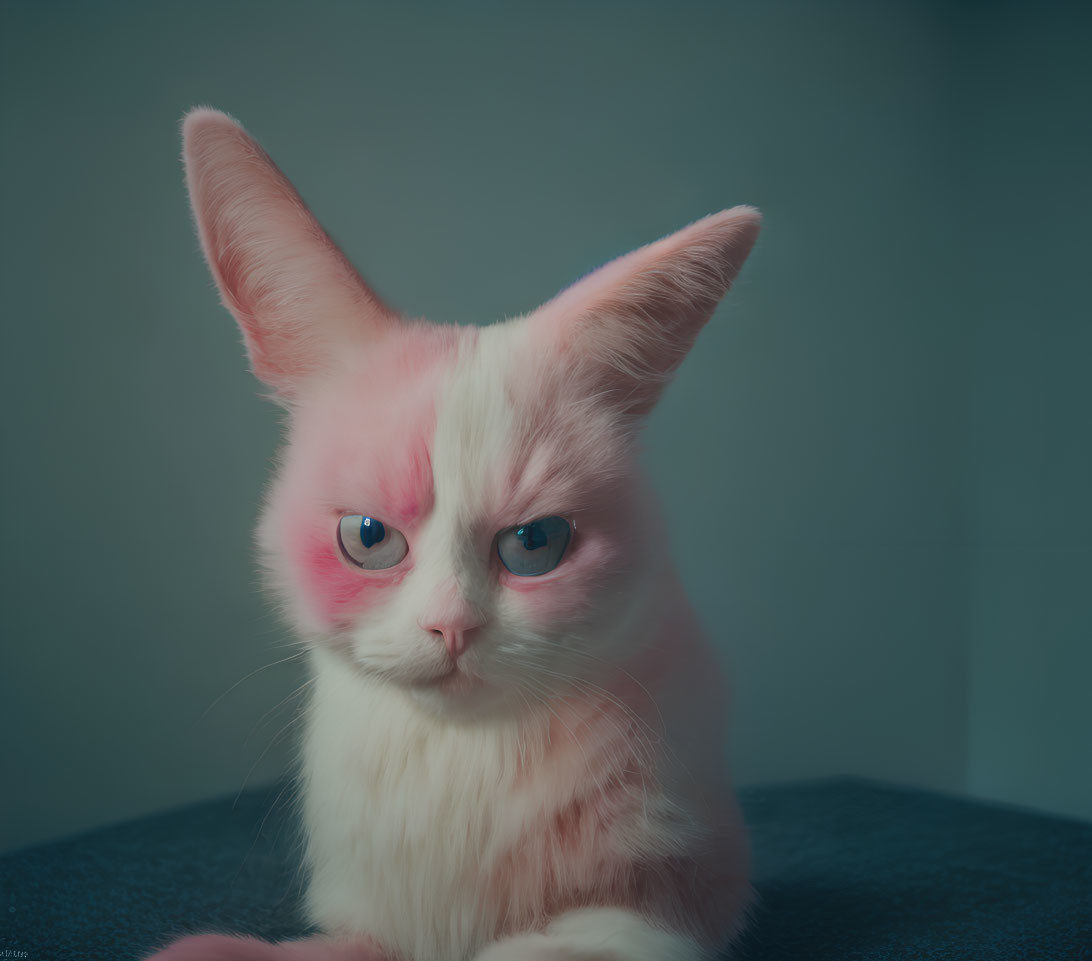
[[216, 947], [224, 947]]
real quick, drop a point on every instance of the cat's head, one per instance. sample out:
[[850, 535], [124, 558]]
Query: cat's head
[[457, 510]]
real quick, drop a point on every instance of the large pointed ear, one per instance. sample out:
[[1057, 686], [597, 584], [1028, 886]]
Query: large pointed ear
[[624, 328], [296, 297]]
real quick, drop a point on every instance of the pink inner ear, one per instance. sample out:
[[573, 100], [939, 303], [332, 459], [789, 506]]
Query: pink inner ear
[[628, 325], [294, 294]]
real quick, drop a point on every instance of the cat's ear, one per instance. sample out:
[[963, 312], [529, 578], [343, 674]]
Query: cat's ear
[[625, 327], [296, 297]]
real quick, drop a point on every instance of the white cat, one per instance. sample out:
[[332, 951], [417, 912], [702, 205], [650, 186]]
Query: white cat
[[514, 745]]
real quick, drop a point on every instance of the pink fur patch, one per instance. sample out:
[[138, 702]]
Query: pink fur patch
[[223, 947], [580, 854], [361, 444]]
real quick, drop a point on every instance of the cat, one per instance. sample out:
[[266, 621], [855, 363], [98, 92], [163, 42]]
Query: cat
[[514, 745]]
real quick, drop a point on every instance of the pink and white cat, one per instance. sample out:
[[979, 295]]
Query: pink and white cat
[[514, 746]]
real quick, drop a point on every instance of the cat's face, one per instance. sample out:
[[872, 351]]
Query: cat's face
[[454, 440], [457, 510]]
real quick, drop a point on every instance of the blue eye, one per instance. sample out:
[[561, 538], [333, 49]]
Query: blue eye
[[369, 543], [534, 548]]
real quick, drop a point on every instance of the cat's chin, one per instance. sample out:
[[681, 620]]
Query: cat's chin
[[455, 682], [459, 695], [444, 690]]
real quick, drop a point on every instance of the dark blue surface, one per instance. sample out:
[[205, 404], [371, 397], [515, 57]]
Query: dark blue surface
[[845, 870]]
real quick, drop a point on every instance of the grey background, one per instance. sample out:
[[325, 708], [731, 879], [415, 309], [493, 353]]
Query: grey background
[[876, 461]]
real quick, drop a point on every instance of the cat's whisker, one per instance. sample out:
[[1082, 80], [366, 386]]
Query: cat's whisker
[[284, 700], [656, 736], [520, 737], [261, 827], [300, 712], [649, 734], [572, 734], [247, 677]]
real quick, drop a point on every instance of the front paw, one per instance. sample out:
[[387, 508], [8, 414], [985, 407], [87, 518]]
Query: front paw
[[536, 947], [223, 947], [217, 947]]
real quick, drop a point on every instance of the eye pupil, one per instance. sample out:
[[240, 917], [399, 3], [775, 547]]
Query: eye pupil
[[532, 537], [534, 548], [371, 531], [369, 543]]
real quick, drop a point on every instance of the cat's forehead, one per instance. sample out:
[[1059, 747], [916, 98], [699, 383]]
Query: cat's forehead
[[361, 440], [474, 421], [513, 440], [477, 425]]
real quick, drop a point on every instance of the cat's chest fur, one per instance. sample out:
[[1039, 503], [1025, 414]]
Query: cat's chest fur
[[436, 838]]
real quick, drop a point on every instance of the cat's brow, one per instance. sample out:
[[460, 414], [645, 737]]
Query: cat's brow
[[405, 484], [529, 499]]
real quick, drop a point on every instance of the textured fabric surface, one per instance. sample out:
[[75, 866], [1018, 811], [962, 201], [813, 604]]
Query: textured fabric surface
[[845, 870]]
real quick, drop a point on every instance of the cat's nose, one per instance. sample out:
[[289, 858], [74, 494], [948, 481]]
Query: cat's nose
[[455, 627], [455, 638], [451, 618]]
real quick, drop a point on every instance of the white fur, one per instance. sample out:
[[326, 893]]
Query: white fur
[[406, 810], [596, 934]]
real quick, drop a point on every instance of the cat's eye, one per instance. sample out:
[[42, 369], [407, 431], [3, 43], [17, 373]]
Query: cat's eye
[[534, 548], [369, 543]]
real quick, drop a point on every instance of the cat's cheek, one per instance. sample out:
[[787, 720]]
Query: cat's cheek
[[335, 592]]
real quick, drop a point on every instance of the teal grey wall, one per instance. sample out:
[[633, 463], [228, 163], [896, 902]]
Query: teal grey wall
[[1028, 157], [875, 462]]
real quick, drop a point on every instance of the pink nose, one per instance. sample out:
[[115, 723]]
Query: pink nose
[[452, 617], [455, 638], [456, 629]]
